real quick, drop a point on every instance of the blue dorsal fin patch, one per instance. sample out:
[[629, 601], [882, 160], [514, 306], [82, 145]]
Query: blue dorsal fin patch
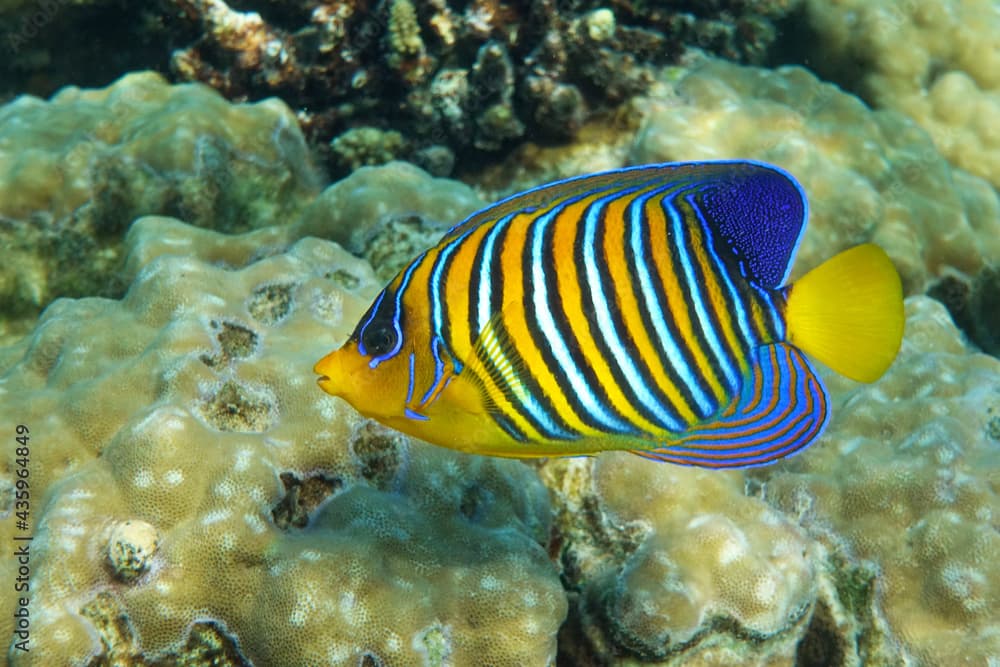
[[760, 211]]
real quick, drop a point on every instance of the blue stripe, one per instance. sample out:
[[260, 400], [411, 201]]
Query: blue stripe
[[541, 281], [409, 389], [436, 345], [674, 354], [486, 267], [603, 310], [694, 289]]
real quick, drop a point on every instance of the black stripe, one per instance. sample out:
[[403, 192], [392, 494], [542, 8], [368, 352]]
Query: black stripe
[[557, 309], [646, 315], [705, 280], [676, 247]]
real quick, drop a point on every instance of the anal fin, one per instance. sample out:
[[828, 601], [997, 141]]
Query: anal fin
[[781, 408]]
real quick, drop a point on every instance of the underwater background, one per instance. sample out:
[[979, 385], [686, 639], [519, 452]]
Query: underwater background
[[198, 200]]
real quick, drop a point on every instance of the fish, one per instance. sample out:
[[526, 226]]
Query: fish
[[642, 309]]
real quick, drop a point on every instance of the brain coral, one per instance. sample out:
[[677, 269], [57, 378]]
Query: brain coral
[[76, 170], [869, 175], [937, 61], [191, 488], [907, 479]]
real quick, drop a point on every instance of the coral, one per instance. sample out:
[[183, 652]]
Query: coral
[[381, 64], [248, 516], [938, 62], [367, 146], [407, 54], [492, 77], [974, 305], [869, 175], [267, 58], [76, 170], [675, 565], [363, 63], [387, 214], [131, 545], [906, 478]]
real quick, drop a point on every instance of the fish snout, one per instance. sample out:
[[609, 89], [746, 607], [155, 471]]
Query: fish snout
[[327, 368]]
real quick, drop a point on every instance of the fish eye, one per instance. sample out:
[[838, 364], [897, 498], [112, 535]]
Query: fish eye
[[378, 338], [378, 332]]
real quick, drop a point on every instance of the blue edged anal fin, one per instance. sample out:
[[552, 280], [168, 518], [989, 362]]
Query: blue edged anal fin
[[781, 408]]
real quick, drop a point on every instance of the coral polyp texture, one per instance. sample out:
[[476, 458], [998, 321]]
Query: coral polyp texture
[[938, 62], [869, 175], [193, 488], [678, 566], [77, 169]]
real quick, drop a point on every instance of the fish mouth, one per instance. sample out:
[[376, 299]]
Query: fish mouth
[[326, 384]]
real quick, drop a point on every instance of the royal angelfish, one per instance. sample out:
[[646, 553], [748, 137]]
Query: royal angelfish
[[641, 309]]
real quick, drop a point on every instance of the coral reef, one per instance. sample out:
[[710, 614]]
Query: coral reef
[[938, 62], [476, 75], [429, 69], [906, 479], [869, 175], [195, 494], [76, 170]]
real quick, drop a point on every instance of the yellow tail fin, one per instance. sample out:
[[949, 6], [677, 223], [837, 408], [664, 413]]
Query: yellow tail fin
[[848, 313]]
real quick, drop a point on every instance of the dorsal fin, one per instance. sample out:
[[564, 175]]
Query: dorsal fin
[[759, 211]]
